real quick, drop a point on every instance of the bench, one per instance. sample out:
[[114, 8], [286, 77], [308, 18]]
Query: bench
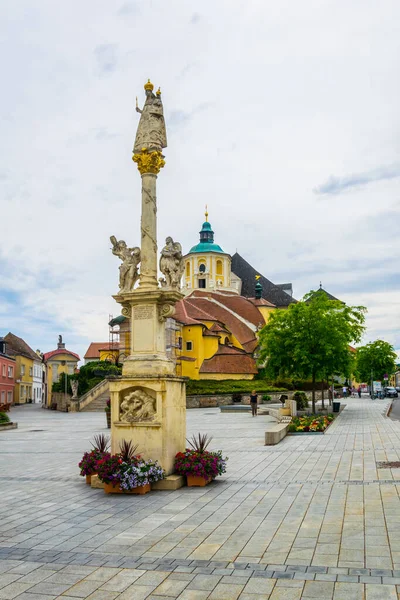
[[5, 407], [276, 434]]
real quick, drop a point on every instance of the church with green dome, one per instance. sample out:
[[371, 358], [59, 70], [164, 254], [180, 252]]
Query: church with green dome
[[207, 266]]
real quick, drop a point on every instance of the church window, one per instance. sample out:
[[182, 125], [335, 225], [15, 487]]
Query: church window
[[189, 346], [188, 269], [202, 283], [219, 267], [202, 268]]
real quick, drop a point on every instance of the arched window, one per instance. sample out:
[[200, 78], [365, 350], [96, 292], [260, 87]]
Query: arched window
[[188, 269], [226, 341], [202, 268], [219, 267]]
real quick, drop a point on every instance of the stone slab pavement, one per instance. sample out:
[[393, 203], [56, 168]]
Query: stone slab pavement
[[313, 517]]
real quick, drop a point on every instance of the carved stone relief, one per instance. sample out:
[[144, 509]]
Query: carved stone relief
[[137, 406]]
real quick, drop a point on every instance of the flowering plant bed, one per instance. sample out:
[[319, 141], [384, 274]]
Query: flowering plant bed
[[310, 424], [198, 464], [128, 472], [88, 464]]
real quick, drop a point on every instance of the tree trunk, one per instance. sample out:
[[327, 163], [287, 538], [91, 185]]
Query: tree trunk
[[322, 395], [313, 393]]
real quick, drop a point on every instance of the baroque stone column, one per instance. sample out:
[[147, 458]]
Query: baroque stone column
[[149, 165], [148, 403]]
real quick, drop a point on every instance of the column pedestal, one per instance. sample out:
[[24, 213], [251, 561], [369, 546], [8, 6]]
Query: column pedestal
[[149, 372]]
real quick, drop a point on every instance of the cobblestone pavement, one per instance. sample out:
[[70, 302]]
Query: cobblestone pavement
[[310, 518]]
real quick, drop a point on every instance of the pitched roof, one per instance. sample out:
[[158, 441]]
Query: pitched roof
[[57, 352], [210, 306], [247, 274], [229, 360], [95, 347], [16, 346], [321, 290]]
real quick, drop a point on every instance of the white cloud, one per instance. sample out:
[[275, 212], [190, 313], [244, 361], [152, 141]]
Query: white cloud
[[263, 101]]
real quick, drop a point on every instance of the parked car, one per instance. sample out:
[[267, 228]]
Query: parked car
[[391, 392], [397, 388]]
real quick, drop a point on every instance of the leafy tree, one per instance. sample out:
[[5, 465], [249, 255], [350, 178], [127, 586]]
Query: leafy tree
[[311, 339], [376, 359], [89, 375]]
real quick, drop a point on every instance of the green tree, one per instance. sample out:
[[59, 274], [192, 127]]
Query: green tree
[[311, 339], [375, 360]]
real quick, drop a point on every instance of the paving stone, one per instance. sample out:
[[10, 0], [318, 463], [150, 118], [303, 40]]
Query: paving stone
[[226, 592], [204, 582], [318, 589]]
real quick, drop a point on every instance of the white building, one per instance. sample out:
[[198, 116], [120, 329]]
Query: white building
[[37, 381]]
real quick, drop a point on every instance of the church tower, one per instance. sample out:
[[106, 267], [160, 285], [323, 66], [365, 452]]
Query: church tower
[[207, 266]]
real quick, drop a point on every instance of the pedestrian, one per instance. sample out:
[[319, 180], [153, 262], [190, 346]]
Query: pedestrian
[[344, 391], [353, 392], [359, 391], [253, 403]]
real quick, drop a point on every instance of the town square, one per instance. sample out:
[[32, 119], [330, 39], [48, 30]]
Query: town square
[[232, 437]]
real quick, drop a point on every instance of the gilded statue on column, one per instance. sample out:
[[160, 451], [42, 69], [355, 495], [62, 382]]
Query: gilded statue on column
[[151, 133]]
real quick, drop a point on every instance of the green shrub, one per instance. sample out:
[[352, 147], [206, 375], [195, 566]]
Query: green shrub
[[210, 387], [301, 400], [4, 418], [266, 398]]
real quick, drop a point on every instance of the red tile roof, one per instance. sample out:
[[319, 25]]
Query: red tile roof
[[229, 360], [52, 353], [94, 349], [221, 314]]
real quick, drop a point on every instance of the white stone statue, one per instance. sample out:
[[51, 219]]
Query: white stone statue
[[172, 264], [74, 388], [128, 271], [137, 406], [151, 133]]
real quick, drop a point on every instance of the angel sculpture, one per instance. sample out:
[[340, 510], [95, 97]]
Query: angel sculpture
[[128, 271], [171, 263]]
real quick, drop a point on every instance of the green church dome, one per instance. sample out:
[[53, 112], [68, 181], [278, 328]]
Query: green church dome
[[206, 243]]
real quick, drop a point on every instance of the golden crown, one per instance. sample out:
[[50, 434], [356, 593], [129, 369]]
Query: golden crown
[[149, 85], [158, 92]]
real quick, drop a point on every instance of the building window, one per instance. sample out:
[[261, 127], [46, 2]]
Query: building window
[[22, 369], [188, 269], [22, 390], [189, 346], [10, 371], [202, 283], [219, 267], [3, 397], [4, 370], [30, 371], [202, 268], [9, 397]]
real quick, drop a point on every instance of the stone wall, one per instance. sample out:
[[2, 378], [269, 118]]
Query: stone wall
[[62, 400], [226, 399]]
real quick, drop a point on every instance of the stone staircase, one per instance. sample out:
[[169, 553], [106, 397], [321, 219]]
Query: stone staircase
[[95, 400]]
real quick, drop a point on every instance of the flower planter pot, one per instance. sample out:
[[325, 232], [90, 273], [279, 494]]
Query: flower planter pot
[[89, 479], [108, 417], [284, 412], [196, 481], [141, 489]]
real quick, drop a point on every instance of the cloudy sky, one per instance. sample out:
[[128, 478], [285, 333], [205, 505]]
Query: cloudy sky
[[282, 116]]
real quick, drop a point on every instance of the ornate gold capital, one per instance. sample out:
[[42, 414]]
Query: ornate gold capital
[[149, 162]]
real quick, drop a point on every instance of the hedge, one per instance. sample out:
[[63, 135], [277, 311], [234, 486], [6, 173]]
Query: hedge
[[206, 387]]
